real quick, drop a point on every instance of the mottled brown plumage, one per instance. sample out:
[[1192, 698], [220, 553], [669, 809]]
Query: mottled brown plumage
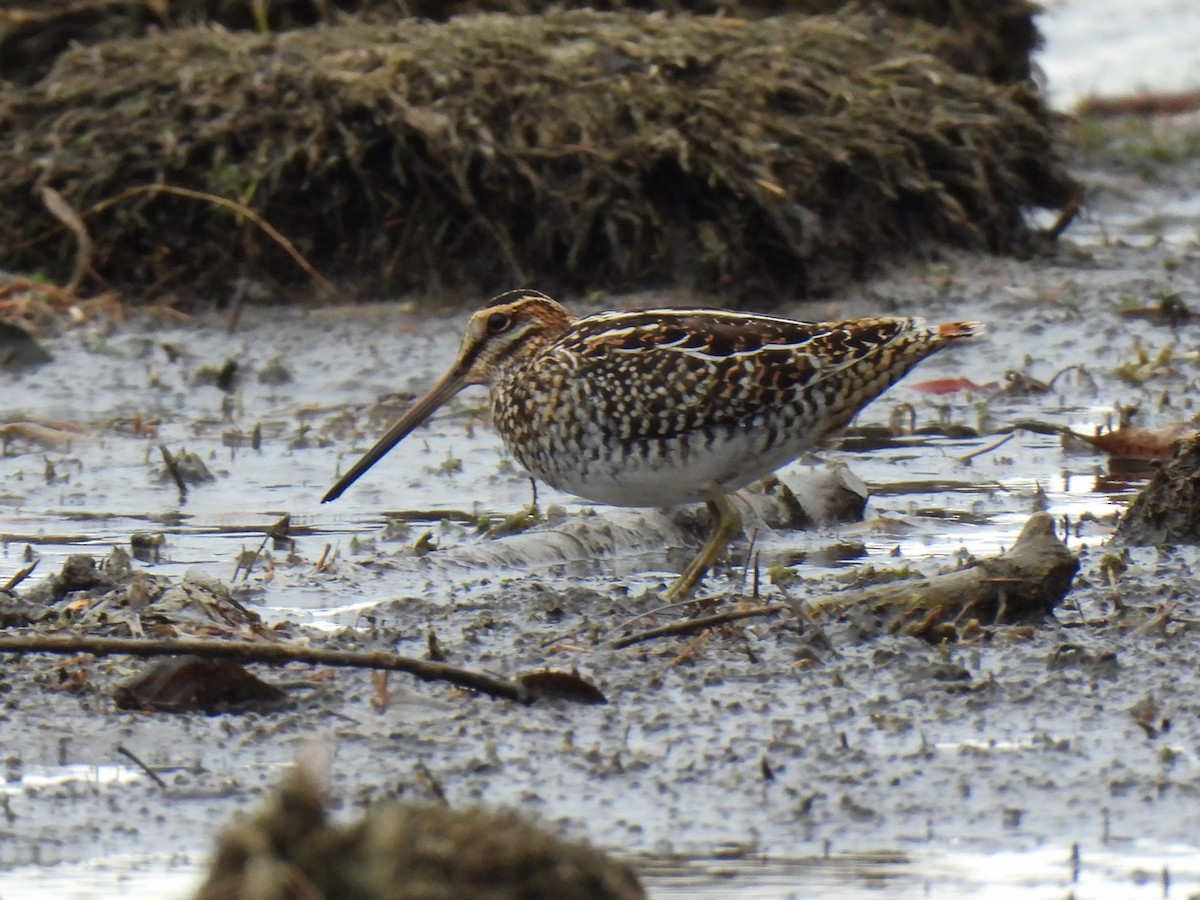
[[668, 406]]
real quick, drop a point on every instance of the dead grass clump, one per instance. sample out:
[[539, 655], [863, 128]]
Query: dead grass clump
[[289, 848], [992, 39], [572, 150], [1167, 510]]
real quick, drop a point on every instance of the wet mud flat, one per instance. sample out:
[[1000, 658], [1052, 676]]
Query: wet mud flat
[[764, 742]]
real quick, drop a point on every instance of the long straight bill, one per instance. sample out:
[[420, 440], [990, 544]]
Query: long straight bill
[[451, 383]]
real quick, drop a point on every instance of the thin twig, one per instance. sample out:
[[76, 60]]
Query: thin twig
[[988, 449], [1073, 368], [690, 626], [1065, 216], [240, 208], [252, 651], [320, 567], [751, 558], [128, 754], [173, 469], [280, 531], [262, 545], [58, 207], [18, 576], [666, 607], [694, 646], [436, 515], [1037, 426], [431, 781]]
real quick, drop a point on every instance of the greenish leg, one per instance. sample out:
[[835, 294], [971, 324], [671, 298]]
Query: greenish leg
[[727, 522]]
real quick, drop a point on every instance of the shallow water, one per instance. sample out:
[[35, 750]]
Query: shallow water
[[1140, 871], [109, 485], [1113, 48]]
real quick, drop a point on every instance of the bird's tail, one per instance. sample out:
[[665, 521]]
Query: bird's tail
[[953, 330]]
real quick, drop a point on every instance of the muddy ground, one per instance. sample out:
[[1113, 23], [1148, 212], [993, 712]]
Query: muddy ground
[[774, 740]]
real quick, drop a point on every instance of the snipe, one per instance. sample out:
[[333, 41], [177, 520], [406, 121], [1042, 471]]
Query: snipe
[[662, 407]]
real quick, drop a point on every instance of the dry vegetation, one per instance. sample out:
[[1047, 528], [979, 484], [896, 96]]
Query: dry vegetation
[[576, 150]]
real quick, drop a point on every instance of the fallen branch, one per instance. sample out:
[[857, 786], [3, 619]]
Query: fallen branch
[[251, 651], [691, 626]]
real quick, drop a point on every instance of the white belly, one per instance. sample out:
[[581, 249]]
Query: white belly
[[661, 473]]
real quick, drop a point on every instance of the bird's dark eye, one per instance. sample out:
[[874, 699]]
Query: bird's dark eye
[[497, 322]]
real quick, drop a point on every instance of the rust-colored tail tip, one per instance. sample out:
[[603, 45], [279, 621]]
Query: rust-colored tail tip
[[954, 330]]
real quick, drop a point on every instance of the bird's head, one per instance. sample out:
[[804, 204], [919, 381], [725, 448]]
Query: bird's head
[[504, 331]]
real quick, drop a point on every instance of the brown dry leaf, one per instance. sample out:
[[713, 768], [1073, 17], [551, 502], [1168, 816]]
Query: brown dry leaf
[[554, 684], [1132, 442], [951, 385], [195, 684]]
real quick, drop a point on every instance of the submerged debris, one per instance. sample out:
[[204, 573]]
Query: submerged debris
[[103, 603], [82, 573], [771, 157], [16, 612], [1021, 586], [404, 852], [110, 597], [184, 468]]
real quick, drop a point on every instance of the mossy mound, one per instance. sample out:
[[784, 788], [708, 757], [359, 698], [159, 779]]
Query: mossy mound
[[574, 150], [992, 38], [396, 851], [1167, 510]]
